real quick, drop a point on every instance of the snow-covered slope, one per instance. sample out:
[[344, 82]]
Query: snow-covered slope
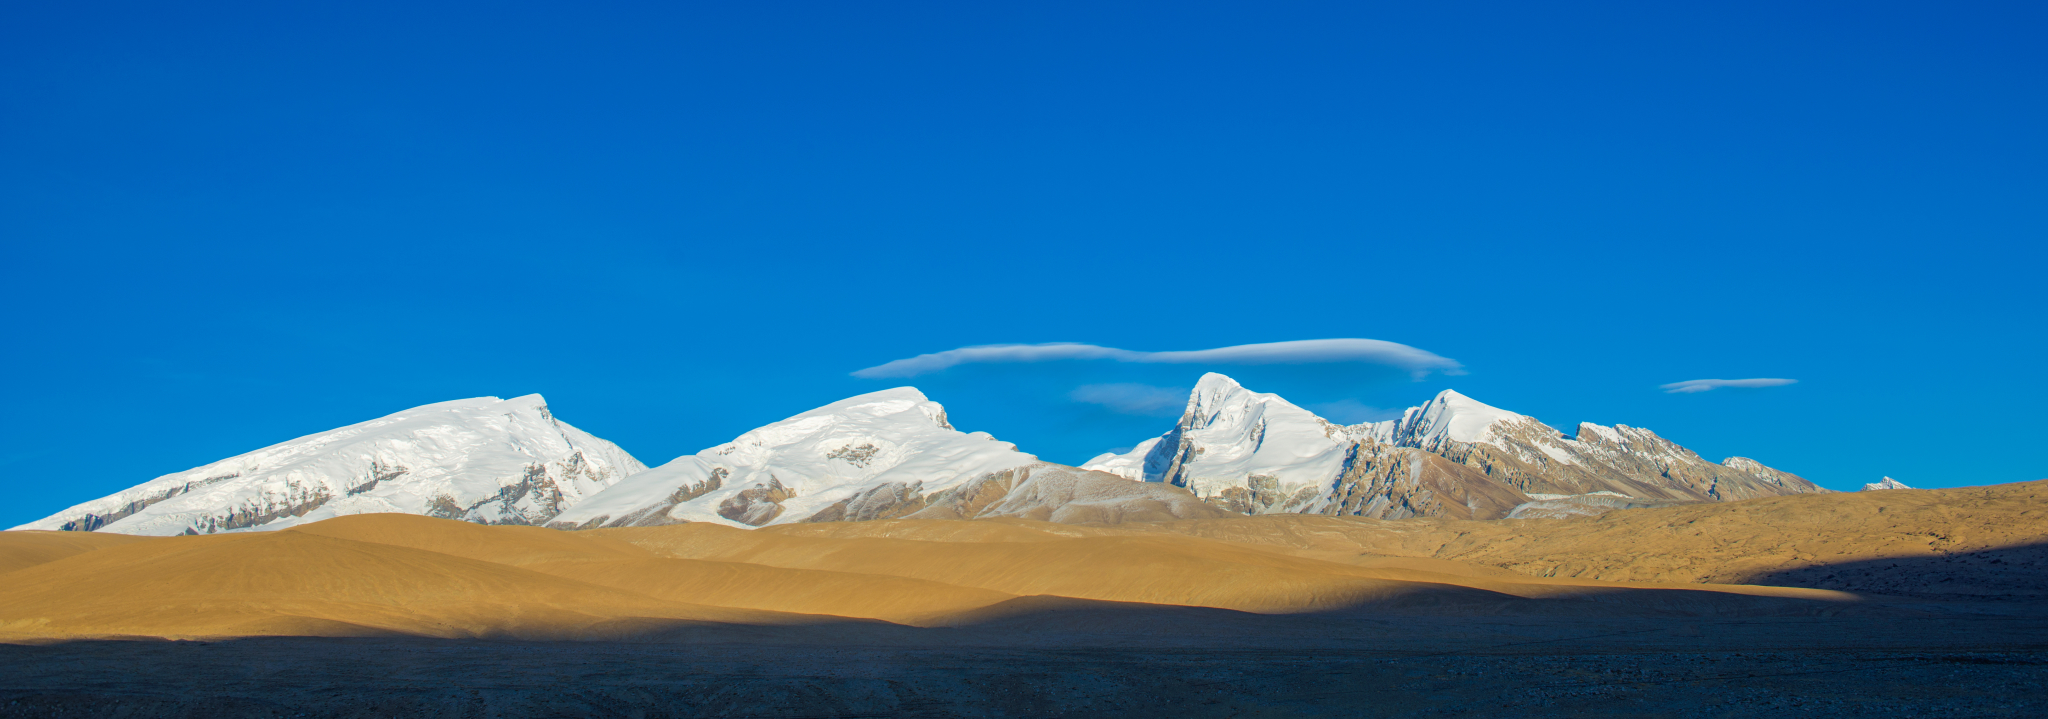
[[1228, 434], [1452, 456], [1886, 483], [483, 460], [1449, 417], [877, 455]]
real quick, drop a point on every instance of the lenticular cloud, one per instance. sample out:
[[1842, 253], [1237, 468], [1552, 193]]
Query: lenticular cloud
[[1702, 385], [1419, 362]]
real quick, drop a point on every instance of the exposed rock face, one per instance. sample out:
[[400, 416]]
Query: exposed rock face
[[1632, 461], [1452, 457], [970, 499], [887, 501], [1058, 493], [90, 521], [482, 460], [297, 499], [756, 505], [1767, 475], [1388, 482]]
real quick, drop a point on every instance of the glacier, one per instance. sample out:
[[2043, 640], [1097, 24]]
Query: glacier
[[486, 460]]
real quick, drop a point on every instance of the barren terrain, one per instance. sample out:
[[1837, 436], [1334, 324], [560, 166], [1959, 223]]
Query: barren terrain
[[1871, 603]]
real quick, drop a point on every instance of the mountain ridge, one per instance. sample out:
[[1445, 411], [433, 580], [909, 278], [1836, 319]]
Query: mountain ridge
[[1492, 460], [893, 453], [485, 460], [879, 455]]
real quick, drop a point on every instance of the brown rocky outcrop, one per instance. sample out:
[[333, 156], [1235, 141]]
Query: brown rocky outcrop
[[756, 505]]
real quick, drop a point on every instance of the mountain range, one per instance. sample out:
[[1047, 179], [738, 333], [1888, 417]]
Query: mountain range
[[1453, 457], [893, 454]]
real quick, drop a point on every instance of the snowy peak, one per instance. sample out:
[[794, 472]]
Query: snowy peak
[[1635, 440], [866, 433], [895, 403], [1886, 483], [1227, 428], [1449, 416], [483, 460], [1216, 382], [1213, 396], [1221, 403], [877, 455], [1466, 419], [1230, 433]]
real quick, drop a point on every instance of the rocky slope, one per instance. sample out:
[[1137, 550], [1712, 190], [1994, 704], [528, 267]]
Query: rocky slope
[[484, 460], [1987, 542], [1451, 457], [880, 455]]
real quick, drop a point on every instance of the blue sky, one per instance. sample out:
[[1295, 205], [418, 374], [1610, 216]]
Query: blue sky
[[226, 226]]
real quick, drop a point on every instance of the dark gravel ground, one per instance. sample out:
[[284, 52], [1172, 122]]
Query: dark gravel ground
[[1379, 666]]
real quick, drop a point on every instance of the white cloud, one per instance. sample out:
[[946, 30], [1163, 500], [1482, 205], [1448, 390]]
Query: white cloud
[[1702, 385], [1418, 362], [1131, 398], [1351, 411]]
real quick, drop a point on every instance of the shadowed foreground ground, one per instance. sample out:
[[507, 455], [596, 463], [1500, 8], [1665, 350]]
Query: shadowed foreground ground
[[1928, 664], [387, 678]]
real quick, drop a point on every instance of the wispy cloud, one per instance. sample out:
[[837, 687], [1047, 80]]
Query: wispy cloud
[[1702, 385], [1351, 411], [1132, 398], [1418, 362]]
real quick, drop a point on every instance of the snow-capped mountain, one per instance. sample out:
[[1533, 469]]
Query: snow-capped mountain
[[483, 460], [1229, 433], [871, 456], [880, 455], [1886, 483], [892, 454], [1453, 456]]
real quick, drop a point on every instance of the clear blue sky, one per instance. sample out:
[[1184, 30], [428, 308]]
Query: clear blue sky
[[227, 226]]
